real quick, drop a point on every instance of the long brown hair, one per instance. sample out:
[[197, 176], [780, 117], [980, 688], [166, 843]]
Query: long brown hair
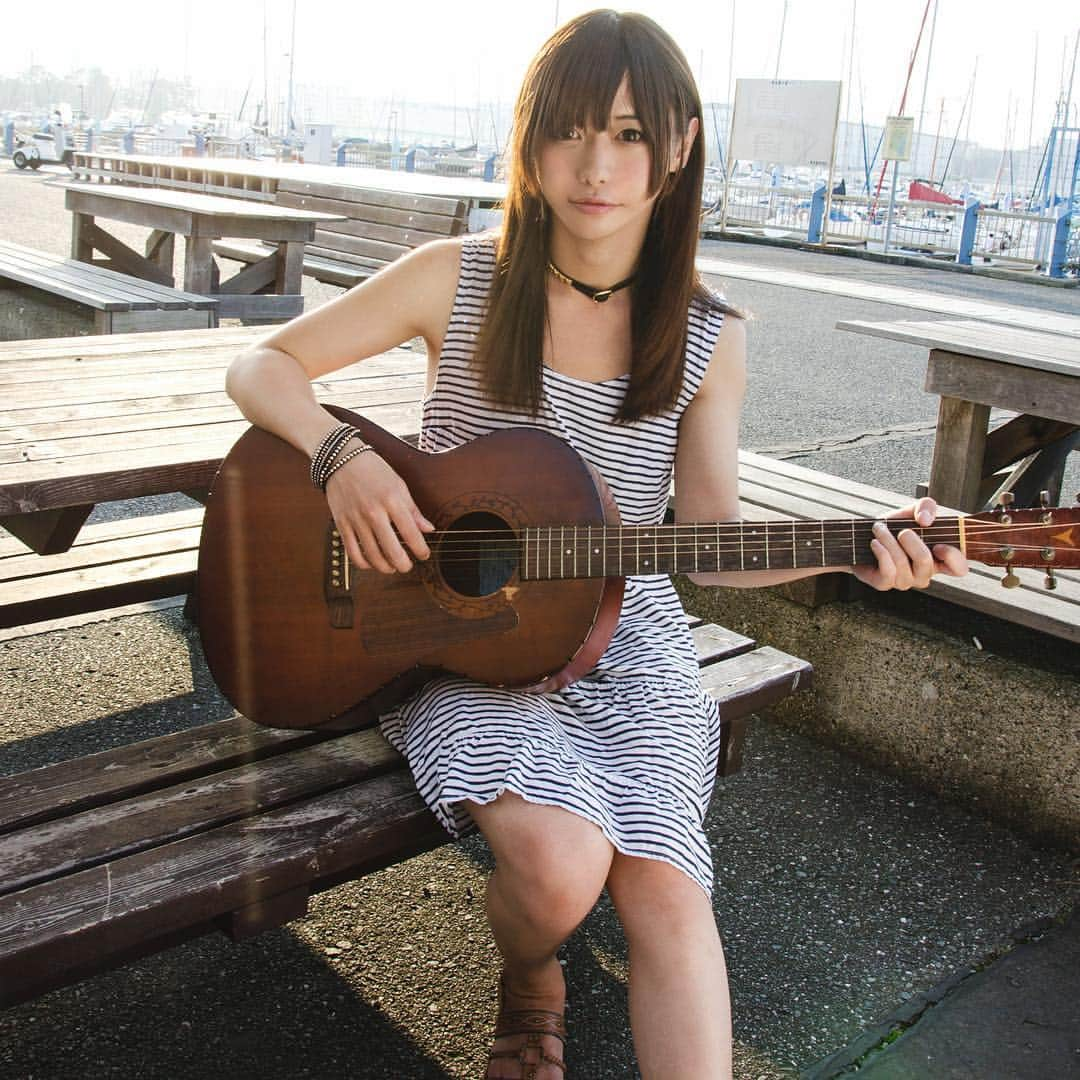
[[572, 82]]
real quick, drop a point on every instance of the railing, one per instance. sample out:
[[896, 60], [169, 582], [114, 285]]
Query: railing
[[1010, 237], [1038, 242]]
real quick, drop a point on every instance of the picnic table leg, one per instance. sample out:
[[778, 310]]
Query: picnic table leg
[[959, 451], [81, 247], [198, 264], [290, 268], [160, 249]]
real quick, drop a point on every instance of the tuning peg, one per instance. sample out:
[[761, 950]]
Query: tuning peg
[[1006, 499], [1050, 581], [1044, 499], [1010, 580]]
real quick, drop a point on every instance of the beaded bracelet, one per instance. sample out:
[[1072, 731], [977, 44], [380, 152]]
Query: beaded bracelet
[[363, 448], [328, 449]]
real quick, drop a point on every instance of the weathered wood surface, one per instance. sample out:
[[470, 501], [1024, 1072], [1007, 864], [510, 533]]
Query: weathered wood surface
[[769, 488], [231, 826], [379, 226], [82, 422]]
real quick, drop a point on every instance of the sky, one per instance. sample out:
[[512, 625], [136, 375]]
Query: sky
[[477, 50]]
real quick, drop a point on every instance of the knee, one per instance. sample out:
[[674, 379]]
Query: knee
[[551, 865], [659, 905]]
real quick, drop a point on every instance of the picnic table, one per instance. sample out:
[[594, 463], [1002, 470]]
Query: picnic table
[[268, 289], [975, 367], [89, 420]]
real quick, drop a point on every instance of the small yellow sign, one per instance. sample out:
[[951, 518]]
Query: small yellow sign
[[899, 136]]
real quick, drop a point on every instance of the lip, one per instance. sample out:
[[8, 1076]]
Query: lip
[[592, 206]]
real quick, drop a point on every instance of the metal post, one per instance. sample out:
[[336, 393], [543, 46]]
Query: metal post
[[814, 233], [410, 160], [892, 203], [489, 168], [129, 142], [1056, 269], [341, 154], [9, 138], [967, 232]]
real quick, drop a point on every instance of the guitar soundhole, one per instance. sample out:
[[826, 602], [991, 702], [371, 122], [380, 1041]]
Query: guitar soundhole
[[478, 554]]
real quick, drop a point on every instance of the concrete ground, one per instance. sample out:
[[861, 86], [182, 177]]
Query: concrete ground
[[853, 905]]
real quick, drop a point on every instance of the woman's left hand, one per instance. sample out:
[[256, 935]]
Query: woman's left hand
[[904, 561]]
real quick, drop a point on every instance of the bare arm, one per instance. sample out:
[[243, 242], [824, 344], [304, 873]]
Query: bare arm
[[271, 382], [707, 485]]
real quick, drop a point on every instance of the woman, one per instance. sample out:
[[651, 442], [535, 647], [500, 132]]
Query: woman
[[584, 316]]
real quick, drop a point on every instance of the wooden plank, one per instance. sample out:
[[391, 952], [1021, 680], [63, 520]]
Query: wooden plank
[[754, 680], [340, 244], [68, 787], [123, 257], [96, 552], [111, 530], [129, 906], [1023, 389], [1031, 346], [373, 216], [53, 849], [131, 581], [430, 204]]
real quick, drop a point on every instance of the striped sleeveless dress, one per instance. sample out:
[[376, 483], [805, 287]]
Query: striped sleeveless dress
[[632, 746]]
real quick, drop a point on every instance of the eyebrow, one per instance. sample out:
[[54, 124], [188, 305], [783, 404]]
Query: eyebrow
[[626, 116]]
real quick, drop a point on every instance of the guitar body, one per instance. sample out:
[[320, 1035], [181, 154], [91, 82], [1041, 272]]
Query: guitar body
[[297, 640]]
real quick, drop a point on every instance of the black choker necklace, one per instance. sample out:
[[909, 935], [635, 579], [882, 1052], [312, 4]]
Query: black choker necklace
[[596, 295]]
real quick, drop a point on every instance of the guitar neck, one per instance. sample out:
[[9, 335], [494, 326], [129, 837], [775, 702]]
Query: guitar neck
[[580, 551]]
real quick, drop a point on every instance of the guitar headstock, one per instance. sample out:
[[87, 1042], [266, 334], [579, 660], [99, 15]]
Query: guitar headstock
[[1045, 538]]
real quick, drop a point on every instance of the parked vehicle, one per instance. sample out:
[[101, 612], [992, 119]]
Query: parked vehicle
[[39, 149]]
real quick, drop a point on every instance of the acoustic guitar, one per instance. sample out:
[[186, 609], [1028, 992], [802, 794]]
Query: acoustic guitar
[[523, 587]]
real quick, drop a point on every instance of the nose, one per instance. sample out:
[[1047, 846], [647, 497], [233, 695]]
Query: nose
[[594, 165]]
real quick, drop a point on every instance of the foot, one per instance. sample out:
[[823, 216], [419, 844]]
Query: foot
[[530, 1031]]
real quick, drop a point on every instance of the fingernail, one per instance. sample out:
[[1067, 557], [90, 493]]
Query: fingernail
[[926, 518]]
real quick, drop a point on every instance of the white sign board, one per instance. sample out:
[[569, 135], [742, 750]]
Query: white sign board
[[785, 121], [899, 136]]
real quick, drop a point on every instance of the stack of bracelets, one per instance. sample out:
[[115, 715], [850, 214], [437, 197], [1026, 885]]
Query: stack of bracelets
[[329, 457]]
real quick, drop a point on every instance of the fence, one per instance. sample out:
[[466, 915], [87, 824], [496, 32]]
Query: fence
[[962, 234]]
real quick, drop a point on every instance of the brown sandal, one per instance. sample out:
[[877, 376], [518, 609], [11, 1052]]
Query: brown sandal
[[534, 1024]]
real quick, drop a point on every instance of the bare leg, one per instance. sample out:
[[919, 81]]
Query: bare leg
[[680, 1012], [550, 867]]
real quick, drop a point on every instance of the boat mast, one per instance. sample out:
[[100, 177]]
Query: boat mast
[[926, 81], [288, 122]]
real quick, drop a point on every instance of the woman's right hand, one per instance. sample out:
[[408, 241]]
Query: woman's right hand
[[376, 516]]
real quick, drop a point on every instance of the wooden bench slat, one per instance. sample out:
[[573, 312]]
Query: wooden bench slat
[[53, 849], [54, 791], [435, 204], [93, 285], [364, 214], [61, 930]]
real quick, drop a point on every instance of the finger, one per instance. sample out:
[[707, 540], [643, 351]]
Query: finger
[[391, 547], [884, 574], [408, 525], [919, 557], [372, 550], [901, 567], [951, 560], [925, 511]]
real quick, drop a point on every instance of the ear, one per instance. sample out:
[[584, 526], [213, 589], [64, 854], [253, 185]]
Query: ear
[[681, 154]]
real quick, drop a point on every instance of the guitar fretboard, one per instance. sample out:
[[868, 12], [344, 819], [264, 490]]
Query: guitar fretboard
[[579, 551]]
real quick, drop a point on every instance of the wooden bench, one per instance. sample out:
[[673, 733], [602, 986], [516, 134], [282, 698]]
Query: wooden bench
[[769, 488], [111, 563], [230, 826], [379, 227], [44, 295]]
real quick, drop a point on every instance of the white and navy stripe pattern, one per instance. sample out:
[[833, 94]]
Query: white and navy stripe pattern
[[632, 747]]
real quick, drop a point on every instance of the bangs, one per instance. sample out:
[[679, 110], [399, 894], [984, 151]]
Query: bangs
[[577, 75]]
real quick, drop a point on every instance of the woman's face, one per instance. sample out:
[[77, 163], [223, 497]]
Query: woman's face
[[596, 183]]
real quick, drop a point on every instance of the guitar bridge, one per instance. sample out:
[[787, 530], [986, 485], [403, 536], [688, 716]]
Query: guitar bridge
[[337, 584]]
